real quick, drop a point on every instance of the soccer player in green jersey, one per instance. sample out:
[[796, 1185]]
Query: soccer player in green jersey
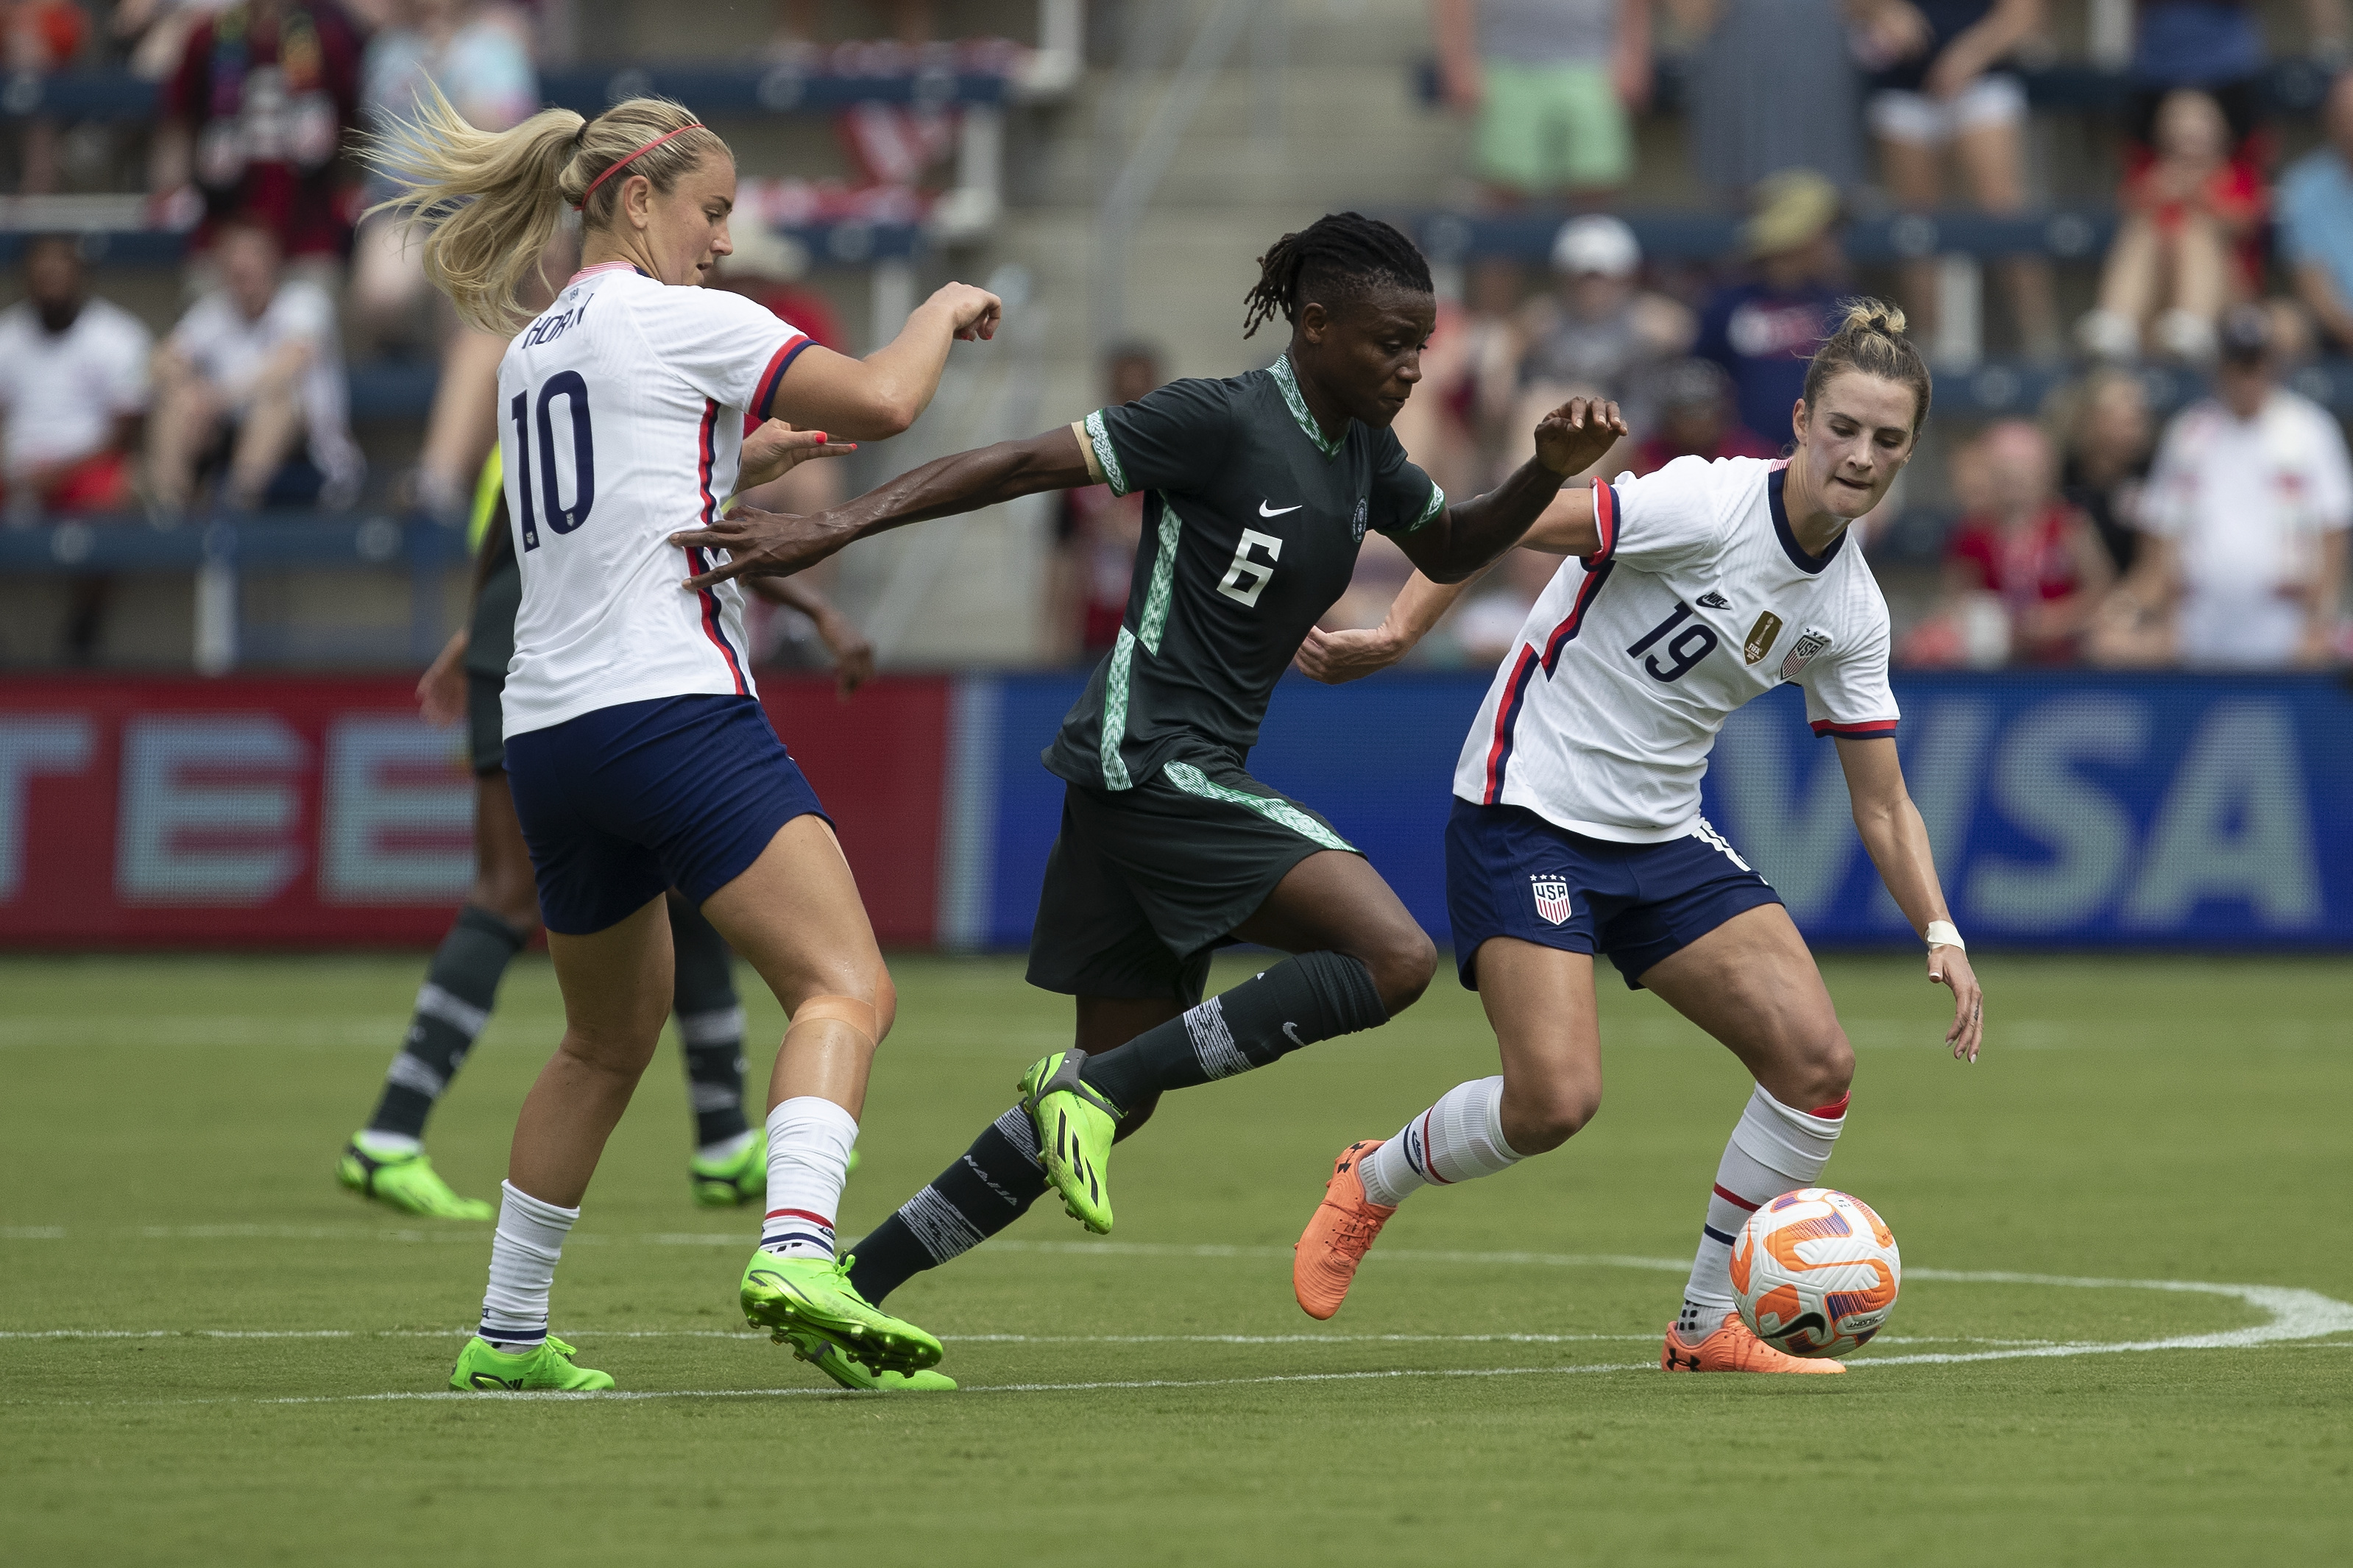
[[1259, 488]]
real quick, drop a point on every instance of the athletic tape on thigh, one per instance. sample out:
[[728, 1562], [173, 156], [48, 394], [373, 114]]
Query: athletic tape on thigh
[[850, 1010]]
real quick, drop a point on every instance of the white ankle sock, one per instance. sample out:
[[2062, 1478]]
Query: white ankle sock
[[1774, 1149], [726, 1149], [809, 1156], [1455, 1139], [523, 1251]]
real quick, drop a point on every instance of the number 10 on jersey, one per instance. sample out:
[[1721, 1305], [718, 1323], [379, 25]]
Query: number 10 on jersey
[[561, 519]]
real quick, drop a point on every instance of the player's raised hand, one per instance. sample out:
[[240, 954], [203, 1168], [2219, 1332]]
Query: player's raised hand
[[775, 448], [1950, 966], [761, 544], [976, 312], [1579, 434], [1337, 657]]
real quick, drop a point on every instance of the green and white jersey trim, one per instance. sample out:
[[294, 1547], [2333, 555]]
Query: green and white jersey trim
[[1297, 403], [1105, 454], [1193, 781], [1436, 505], [1123, 653]]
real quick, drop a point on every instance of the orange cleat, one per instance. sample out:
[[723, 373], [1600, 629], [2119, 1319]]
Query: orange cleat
[[1323, 1263], [1734, 1347]]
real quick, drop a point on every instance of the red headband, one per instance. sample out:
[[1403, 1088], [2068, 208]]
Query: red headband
[[623, 162]]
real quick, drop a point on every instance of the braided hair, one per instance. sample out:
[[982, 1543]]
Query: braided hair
[[1338, 257]]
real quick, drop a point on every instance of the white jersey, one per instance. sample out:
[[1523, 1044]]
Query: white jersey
[[622, 415], [1601, 718]]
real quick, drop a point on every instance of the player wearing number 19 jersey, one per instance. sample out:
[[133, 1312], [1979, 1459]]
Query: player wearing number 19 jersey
[[1576, 827]]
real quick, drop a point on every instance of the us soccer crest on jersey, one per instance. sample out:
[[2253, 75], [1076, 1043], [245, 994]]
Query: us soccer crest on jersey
[[1700, 599]]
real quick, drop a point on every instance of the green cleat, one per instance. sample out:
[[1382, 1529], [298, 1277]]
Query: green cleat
[[792, 1297], [743, 1180], [851, 1373], [1075, 1124], [549, 1369], [408, 1182]]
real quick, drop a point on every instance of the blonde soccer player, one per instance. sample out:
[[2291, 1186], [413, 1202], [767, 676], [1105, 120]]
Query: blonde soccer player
[[1576, 826], [636, 751]]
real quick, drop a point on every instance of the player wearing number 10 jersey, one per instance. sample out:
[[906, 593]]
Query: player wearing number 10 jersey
[[636, 753], [1577, 829]]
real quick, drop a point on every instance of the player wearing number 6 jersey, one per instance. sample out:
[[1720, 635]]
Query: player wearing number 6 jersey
[[1577, 830], [638, 755]]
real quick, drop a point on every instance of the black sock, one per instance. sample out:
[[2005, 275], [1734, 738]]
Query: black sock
[[1296, 1002], [992, 1184], [709, 1026], [452, 1005]]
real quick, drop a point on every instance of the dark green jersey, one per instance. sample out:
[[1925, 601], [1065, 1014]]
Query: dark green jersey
[[1253, 520]]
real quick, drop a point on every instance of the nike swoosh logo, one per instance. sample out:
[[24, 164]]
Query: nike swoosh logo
[[1266, 511], [1291, 1031]]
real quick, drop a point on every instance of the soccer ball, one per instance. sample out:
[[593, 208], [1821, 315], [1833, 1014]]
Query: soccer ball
[[1815, 1272]]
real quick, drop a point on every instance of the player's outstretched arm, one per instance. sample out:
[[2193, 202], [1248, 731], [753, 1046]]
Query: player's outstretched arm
[[1898, 841], [1462, 539], [876, 397], [853, 655], [777, 544]]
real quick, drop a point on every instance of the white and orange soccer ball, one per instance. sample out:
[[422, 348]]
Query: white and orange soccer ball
[[1815, 1272]]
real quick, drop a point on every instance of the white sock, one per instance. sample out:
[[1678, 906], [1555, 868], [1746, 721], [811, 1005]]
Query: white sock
[[387, 1145], [1455, 1139], [1774, 1149], [809, 1156], [523, 1251], [726, 1149]]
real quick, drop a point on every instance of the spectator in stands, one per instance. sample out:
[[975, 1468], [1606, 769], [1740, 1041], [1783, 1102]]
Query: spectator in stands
[[1943, 87], [2023, 571], [2216, 47], [910, 23], [1764, 330], [41, 35], [253, 123], [73, 389], [2315, 211], [1096, 534], [1596, 334], [250, 383], [478, 58], [2244, 525], [1551, 83], [2189, 245], [1695, 419], [1771, 88], [2106, 427]]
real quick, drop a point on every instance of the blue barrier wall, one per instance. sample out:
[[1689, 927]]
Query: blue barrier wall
[[2067, 810]]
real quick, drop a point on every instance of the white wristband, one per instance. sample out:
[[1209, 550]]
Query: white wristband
[[1943, 933]]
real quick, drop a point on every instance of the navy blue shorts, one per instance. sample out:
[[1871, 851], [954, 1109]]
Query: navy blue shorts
[[623, 804], [1511, 873]]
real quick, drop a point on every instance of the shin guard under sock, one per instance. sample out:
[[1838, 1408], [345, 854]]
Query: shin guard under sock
[[1296, 1002], [1774, 1149], [452, 1005], [992, 1184], [1456, 1139], [710, 1026]]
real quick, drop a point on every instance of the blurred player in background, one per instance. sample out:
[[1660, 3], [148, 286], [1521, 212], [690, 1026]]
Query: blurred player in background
[[638, 755], [386, 1160], [1577, 830], [1259, 491]]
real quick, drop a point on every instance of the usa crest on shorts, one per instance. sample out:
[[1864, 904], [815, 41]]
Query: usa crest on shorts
[[1552, 898]]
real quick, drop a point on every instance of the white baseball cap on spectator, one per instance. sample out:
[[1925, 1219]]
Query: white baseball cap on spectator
[[1596, 243]]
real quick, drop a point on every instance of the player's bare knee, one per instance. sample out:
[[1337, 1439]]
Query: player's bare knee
[[1823, 1070], [1401, 964]]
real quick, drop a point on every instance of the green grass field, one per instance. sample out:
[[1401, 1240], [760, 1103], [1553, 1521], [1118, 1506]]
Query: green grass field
[[214, 1354]]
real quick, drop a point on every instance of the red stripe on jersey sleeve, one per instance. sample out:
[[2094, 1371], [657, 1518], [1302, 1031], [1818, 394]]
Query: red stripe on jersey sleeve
[[763, 394], [1862, 732]]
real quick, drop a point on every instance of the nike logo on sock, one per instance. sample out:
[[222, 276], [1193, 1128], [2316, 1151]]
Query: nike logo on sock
[[1291, 1033], [1266, 511]]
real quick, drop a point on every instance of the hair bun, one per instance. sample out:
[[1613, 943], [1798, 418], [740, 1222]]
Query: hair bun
[[1873, 316]]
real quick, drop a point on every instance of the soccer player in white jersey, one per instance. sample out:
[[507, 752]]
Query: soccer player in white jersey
[[638, 754], [1577, 830]]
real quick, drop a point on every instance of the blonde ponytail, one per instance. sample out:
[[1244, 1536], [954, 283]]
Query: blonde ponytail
[[1870, 338], [489, 202]]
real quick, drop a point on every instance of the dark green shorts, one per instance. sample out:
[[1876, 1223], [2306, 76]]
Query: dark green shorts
[[486, 746], [1143, 883]]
